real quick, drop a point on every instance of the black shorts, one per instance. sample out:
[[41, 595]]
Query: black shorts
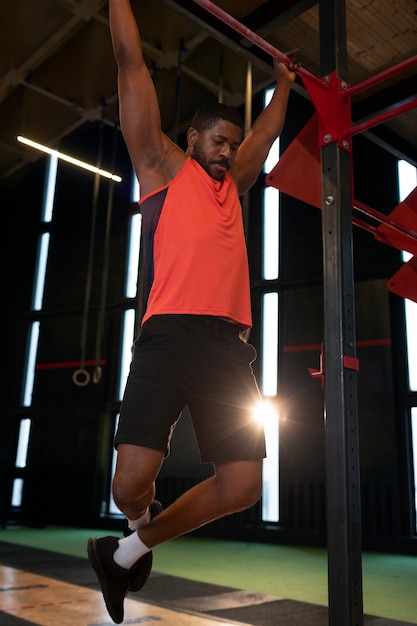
[[199, 361]]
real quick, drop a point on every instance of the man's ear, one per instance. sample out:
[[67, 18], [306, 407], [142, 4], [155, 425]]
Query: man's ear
[[192, 136]]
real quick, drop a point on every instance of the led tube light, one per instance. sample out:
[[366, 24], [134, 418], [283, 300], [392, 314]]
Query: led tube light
[[69, 159]]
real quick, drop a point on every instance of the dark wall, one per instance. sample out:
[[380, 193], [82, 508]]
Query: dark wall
[[66, 469], [21, 201]]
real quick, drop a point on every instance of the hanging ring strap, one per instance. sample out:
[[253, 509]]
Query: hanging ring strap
[[98, 370], [81, 377], [105, 273]]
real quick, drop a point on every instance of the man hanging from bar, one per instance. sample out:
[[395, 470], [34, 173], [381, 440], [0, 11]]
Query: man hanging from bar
[[189, 351]]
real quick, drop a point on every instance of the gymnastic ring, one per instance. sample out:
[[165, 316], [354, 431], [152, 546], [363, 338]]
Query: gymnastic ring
[[97, 374], [83, 380]]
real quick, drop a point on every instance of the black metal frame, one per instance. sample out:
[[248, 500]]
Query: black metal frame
[[341, 412]]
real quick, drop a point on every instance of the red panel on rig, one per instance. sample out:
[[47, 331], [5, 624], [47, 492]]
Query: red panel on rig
[[404, 282], [405, 214], [298, 171]]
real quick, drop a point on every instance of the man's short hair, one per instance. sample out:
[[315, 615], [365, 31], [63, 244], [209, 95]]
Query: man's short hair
[[209, 114]]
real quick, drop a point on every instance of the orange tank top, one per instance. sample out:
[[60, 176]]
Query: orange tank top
[[196, 259]]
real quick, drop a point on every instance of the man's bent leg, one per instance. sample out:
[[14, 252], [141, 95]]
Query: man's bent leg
[[134, 481], [133, 488], [235, 486]]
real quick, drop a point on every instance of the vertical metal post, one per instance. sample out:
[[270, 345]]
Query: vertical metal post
[[341, 414]]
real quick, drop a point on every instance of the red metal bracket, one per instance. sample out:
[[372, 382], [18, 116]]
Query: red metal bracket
[[319, 373], [349, 362], [333, 107]]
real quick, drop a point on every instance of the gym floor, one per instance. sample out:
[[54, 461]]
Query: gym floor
[[48, 588]]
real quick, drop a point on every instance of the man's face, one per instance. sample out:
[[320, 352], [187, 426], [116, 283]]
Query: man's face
[[215, 149]]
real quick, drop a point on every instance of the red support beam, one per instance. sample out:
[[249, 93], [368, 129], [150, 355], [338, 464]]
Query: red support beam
[[384, 219], [380, 119], [378, 78]]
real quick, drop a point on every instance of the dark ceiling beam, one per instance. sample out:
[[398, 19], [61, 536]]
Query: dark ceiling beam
[[227, 36], [381, 102], [220, 31], [273, 14], [262, 20]]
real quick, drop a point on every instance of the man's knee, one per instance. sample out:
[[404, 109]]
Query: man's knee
[[241, 483], [126, 491], [136, 471], [249, 493]]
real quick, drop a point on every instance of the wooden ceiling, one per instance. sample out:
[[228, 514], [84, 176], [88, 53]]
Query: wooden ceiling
[[57, 70]]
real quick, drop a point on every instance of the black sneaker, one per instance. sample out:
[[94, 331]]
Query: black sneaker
[[141, 569], [113, 579]]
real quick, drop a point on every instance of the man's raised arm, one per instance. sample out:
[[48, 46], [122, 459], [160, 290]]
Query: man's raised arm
[[266, 128], [139, 109]]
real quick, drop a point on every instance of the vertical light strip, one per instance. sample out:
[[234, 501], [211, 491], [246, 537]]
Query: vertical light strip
[[269, 388], [17, 492], [269, 362], [30, 364], [113, 508], [49, 195], [270, 255], [132, 269], [411, 335], [40, 272], [23, 442], [128, 332], [270, 469], [135, 193], [133, 256], [269, 355], [273, 156], [407, 179], [21, 458], [414, 447]]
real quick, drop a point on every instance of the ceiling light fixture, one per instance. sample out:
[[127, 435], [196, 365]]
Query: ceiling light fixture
[[69, 159]]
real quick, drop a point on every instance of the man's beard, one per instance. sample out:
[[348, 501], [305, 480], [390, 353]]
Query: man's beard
[[208, 166]]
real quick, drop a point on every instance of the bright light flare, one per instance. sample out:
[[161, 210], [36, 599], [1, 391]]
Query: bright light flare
[[265, 414], [69, 159]]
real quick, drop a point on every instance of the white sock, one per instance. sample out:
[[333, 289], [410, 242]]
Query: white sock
[[135, 524], [130, 549]]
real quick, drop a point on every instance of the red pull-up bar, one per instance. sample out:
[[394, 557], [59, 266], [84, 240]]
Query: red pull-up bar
[[345, 93], [311, 78], [254, 38]]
